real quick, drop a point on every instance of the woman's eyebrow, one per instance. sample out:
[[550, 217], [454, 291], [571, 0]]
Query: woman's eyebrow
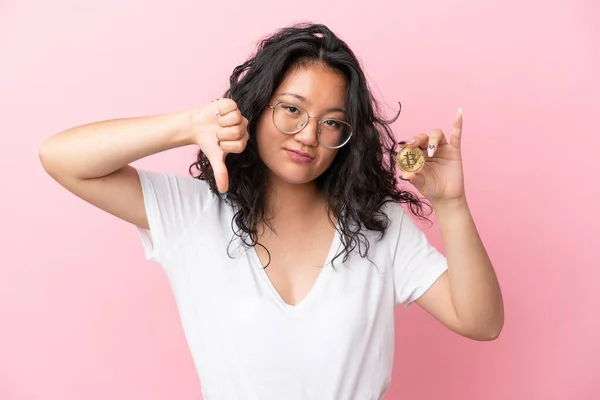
[[306, 101]]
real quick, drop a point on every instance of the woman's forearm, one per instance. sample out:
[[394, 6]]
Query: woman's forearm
[[98, 149], [474, 287]]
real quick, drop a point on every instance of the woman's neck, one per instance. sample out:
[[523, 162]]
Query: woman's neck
[[290, 201]]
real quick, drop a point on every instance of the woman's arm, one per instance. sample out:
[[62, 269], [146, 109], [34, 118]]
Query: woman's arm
[[92, 161], [467, 298]]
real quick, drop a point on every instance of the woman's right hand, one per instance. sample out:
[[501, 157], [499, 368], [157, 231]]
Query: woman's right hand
[[219, 128]]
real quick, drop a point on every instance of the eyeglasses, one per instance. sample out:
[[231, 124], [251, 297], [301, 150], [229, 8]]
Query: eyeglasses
[[289, 119]]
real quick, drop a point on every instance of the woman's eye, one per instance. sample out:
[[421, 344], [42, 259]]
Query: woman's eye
[[291, 109], [332, 123]]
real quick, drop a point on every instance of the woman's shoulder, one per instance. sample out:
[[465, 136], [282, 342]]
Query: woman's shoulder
[[393, 210], [384, 222], [176, 190], [172, 181]]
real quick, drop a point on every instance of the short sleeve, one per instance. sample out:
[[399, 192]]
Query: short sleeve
[[172, 203], [417, 264]]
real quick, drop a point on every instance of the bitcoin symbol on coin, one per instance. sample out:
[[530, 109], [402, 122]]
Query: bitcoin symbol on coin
[[410, 159]]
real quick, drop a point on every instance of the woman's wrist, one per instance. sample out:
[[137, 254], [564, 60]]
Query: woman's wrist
[[182, 132]]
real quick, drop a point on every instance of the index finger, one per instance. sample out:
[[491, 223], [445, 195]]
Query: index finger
[[456, 136]]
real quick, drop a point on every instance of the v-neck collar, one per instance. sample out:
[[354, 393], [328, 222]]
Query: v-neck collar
[[317, 286]]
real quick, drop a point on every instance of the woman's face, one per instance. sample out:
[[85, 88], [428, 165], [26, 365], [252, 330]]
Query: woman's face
[[299, 158]]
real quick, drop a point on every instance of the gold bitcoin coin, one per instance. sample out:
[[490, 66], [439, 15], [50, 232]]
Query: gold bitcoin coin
[[410, 159]]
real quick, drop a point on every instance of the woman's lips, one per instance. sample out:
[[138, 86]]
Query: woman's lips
[[299, 157]]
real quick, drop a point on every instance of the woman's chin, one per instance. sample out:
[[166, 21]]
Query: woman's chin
[[293, 177]]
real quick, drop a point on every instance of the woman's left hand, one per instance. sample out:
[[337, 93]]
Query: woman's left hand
[[441, 179]]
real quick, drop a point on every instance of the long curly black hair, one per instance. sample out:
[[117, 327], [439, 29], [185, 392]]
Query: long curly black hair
[[362, 177]]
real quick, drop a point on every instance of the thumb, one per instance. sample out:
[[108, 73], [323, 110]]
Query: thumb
[[220, 171]]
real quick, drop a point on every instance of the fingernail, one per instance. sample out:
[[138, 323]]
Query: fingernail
[[430, 150], [460, 110], [404, 179], [223, 196], [411, 141]]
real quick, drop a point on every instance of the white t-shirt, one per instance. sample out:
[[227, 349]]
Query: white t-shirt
[[246, 342]]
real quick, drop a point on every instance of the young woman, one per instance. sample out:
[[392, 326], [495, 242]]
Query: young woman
[[290, 249]]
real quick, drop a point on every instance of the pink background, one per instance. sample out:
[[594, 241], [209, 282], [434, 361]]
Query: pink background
[[84, 316]]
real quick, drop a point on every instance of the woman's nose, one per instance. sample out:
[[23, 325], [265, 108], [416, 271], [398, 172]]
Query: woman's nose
[[309, 132]]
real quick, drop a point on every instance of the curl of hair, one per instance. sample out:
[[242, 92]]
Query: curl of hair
[[362, 177]]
